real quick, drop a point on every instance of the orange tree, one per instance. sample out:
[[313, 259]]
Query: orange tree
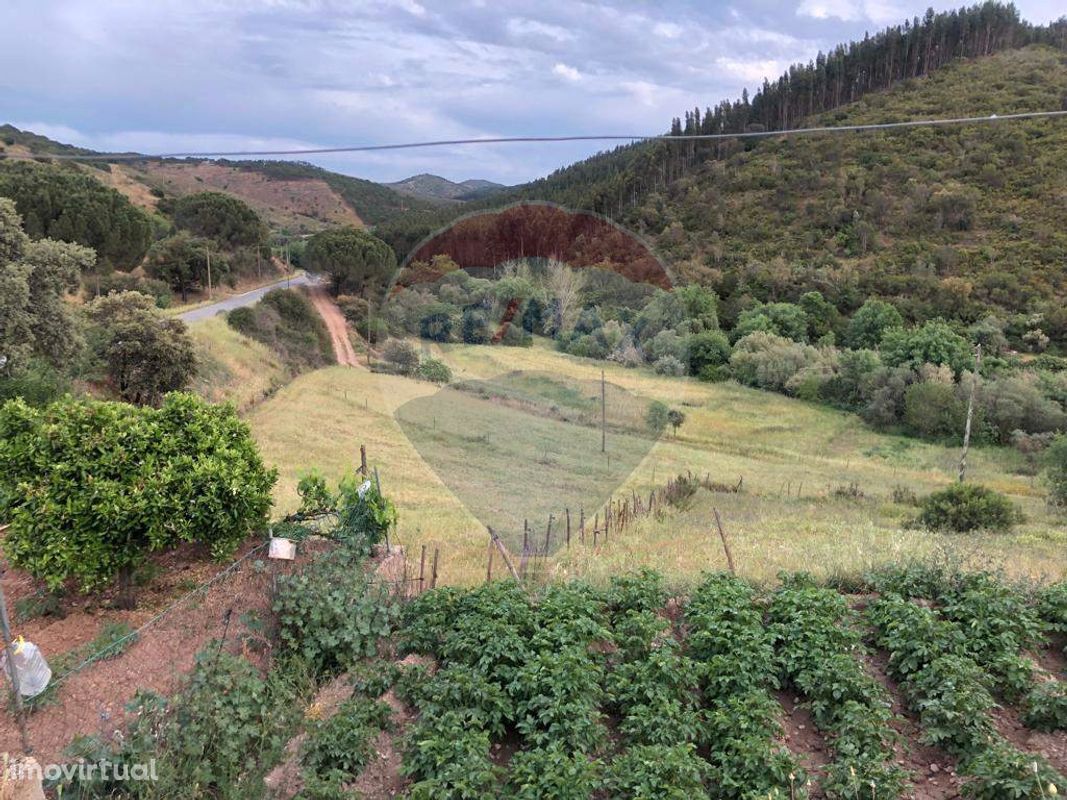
[[91, 488]]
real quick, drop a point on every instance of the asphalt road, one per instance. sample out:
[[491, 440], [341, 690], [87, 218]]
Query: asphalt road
[[246, 299]]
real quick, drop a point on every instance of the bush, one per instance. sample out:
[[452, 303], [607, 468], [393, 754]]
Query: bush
[[434, 370], [870, 322], [338, 748], [935, 342], [657, 417], [400, 356], [551, 772], [1056, 473], [707, 350], [91, 488], [287, 322], [669, 365], [767, 361], [437, 324], [474, 327], [933, 410], [331, 614], [965, 507]]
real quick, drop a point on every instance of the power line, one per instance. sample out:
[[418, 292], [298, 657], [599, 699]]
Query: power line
[[367, 148]]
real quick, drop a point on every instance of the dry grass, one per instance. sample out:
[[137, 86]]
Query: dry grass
[[232, 367], [780, 446]]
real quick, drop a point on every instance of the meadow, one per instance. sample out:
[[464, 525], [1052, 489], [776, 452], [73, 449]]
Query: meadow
[[822, 491]]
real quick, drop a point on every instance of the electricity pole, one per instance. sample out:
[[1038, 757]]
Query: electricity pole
[[207, 250], [603, 415]]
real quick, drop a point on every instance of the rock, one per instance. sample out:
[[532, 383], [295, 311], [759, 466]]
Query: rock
[[22, 781], [934, 768]]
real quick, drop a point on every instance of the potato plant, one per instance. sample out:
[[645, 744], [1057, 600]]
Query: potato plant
[[819, 648], [950, 693]]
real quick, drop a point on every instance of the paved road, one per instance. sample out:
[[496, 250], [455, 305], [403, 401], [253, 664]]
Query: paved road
[[246, 299]]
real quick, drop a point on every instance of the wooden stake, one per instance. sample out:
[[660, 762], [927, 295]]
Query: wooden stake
[[489, 569], [568, 512], [494, 539], [548, 534], [433, 572], [725, 544], [603, 415], [422, 570], [363, 459], [581, 524]]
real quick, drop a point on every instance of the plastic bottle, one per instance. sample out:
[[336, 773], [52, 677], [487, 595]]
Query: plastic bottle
[[30, 666]]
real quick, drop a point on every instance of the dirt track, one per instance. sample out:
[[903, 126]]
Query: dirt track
[[336, 325]]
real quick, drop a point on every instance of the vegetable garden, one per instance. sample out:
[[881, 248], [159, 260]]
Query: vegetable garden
[[627, 690]]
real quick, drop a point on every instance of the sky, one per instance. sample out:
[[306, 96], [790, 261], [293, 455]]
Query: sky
[[193, 75]]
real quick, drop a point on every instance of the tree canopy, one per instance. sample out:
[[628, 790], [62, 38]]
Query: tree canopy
[[223, 218], [34, 277], [181, 261], [356, 261], [64, 203], [144, 353], [91, 488]]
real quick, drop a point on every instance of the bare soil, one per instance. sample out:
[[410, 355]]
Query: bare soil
[[336, 325], [92, 700]]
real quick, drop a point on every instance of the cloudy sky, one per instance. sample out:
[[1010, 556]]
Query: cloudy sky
[[193, 75]]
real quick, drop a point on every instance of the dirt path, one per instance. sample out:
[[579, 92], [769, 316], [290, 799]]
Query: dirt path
[[336, 325]]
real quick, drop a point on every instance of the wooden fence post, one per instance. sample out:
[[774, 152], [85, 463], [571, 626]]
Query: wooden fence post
[[489, 569], [363, 460], [422, 570], [581, 524], [503, 553], [548, 533], [725, 545], [433, 572], [568, 512]]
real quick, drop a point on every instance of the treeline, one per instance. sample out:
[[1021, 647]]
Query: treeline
[[911, 50]]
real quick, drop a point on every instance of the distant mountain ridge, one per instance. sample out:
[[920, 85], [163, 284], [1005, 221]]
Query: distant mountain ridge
[[434, 187], [290, 196]]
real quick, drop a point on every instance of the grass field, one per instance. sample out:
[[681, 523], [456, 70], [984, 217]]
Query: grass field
[[231, 367], [511, 448]]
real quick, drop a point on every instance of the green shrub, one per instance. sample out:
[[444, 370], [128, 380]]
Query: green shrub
[[331, 614], [434, 370], [931, 409], [1056, 470], [474, 327], [400, 356], [964, 507], [91, 488], [287, 322]]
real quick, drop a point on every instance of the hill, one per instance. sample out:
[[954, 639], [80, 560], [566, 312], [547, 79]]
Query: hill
[[291, 196], [434, 187], [958, 221]]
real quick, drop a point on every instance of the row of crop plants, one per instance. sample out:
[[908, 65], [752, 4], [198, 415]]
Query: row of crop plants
[[951, 694], [575, 692], [819, 645], [998, 624]]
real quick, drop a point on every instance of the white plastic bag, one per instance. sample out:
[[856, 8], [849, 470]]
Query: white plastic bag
[[30, 666]]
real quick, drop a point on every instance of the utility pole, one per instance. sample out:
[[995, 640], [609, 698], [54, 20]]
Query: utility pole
[[970, 414], [603, 415], [207, 250]]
